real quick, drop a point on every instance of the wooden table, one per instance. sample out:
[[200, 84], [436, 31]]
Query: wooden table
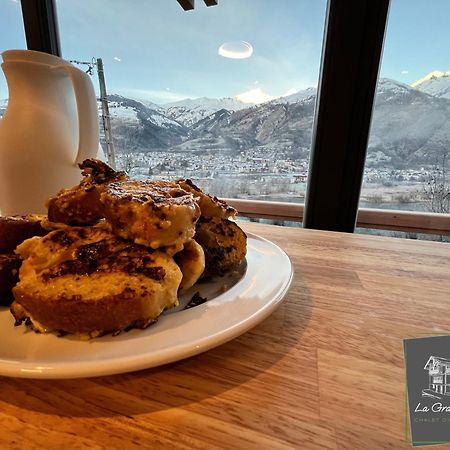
[[324, 371]]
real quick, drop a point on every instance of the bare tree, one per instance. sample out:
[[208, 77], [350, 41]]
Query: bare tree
[[436, 191], [128, 163]]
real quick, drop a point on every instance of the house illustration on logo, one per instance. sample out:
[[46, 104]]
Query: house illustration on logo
[[439, 373]]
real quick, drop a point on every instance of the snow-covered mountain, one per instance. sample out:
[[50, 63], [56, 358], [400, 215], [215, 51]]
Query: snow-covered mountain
[[300, 96], [190, 111], [129, 110], [3, 104], [136, 126], [435, 83], [409, 127]]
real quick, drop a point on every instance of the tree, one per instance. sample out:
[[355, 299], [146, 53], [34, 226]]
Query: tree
[[437, 187], [128, 162]]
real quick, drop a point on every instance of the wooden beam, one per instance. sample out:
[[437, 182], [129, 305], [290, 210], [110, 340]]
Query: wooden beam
[[211, 2], [385, 219], [187, 5]]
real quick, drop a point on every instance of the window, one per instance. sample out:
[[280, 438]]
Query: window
[[12, 36], [223, 95], [408, 159]]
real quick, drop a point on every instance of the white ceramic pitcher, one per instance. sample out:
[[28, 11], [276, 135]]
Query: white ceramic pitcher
[[50, 125]]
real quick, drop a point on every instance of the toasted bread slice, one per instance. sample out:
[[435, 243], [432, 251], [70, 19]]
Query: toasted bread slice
[[15, 229], [81, 204], [152, 213], [9, 275], [191, 261], [209, 206], [86, 281], [224, 244]]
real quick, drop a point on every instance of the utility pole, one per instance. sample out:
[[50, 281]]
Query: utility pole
[[106, 122], [110, 155]]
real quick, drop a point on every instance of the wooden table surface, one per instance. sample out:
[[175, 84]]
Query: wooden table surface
[[324, 371]]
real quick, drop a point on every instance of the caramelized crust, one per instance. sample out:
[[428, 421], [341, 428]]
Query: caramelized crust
[[224, 244], [209, 206], [191, 261], [88, 282], [15, 229], [9, 275], [152, 213], [81, 204]]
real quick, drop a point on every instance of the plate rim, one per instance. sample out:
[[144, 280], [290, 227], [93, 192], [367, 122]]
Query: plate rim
[[147, 360]]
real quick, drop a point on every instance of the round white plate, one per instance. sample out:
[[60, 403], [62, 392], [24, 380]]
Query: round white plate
[[249, 297]]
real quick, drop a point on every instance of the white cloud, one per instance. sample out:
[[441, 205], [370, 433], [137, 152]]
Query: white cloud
[[254, 96], [290, 91], [404, 72], [116, 58]]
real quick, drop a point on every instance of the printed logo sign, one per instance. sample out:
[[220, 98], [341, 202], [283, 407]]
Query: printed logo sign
[[427, 362]]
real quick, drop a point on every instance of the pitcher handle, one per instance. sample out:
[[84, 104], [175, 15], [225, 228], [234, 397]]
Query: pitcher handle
[[88, 128]]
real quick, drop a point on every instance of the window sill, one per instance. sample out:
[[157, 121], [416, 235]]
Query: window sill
[[386, 219]]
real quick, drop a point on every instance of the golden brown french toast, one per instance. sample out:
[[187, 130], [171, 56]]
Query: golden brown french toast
[[152, 213], [224, 244], [81, 204], [15, 229], [87, 281], [209, 206], [9, 275], [191, 261]]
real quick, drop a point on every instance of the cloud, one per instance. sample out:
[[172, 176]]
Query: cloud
[[116, 58], [254, 96], [290, 91], [404, 72]]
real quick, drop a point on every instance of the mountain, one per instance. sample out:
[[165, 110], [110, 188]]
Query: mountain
[[306, 94], [3, 104], [409, 127], [435, 83], [190, 111], [276, 126], [136, 126]]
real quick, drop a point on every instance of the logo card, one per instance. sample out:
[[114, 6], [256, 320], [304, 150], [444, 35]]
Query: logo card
[[427, 362]]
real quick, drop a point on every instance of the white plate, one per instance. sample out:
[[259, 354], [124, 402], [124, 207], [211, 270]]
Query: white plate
[[256, 292]]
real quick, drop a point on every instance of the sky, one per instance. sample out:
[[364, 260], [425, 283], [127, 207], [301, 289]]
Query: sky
[[153, 50]]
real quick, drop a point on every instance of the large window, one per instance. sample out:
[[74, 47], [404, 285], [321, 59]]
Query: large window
[[408, 160], [12, 36], [224, 95]]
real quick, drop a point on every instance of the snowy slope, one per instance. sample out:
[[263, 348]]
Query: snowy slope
[[190, 111], [132, 111], [306, 94], [435, 83], [3, 105]]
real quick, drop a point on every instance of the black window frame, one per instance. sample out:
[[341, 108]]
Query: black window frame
[[351, 54]]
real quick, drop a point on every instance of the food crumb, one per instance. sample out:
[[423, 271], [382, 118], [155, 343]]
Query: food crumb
[[196, 300]]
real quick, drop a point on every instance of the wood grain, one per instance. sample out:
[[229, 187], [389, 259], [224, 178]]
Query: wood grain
[[325, 371]]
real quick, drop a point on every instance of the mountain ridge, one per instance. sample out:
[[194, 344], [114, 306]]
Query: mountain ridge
[[409, 128]]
